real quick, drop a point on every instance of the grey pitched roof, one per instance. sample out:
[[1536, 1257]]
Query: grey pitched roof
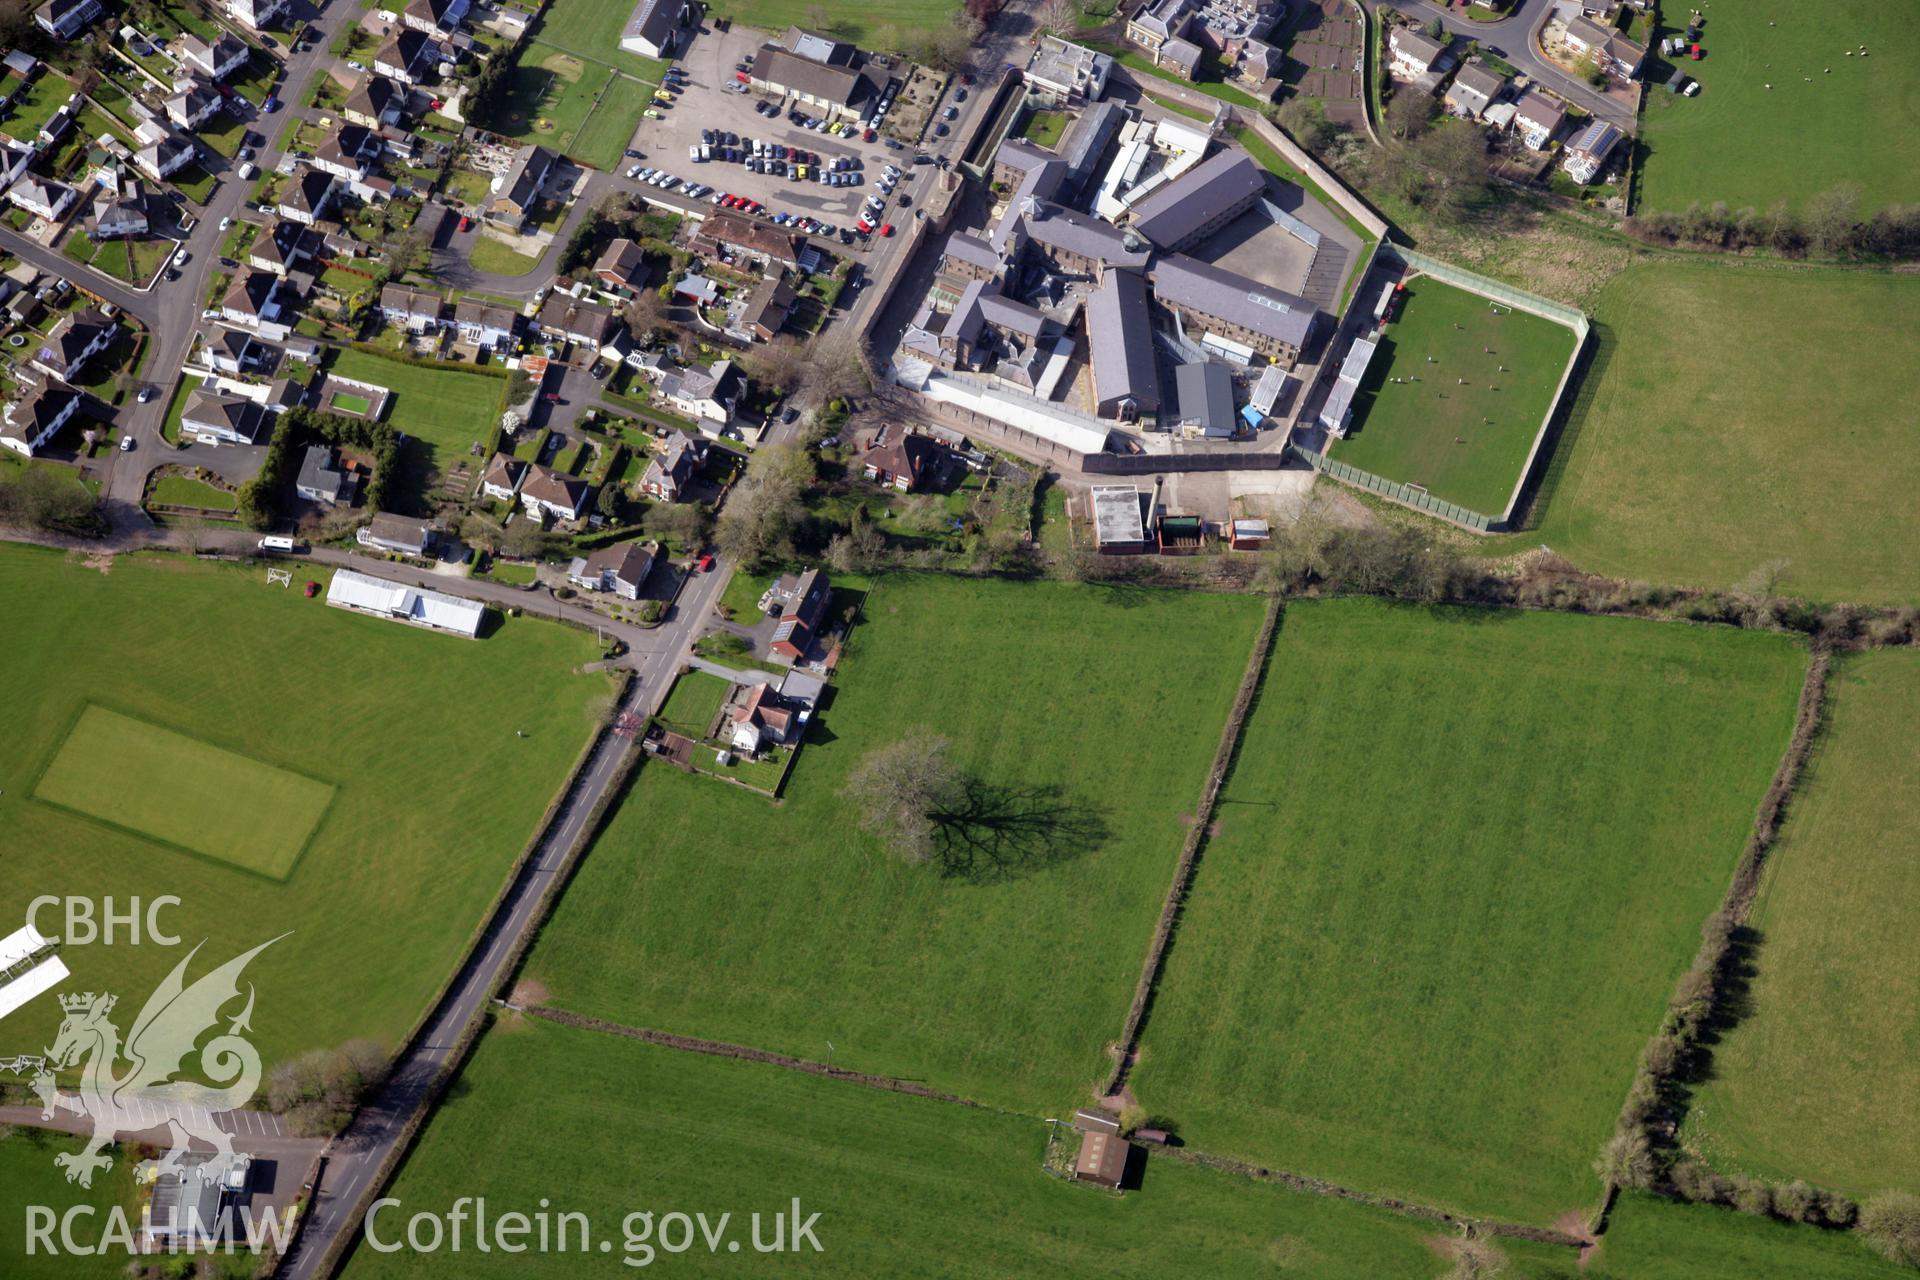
[[653, 20], [1016, 317], [1182, 281], [1205, 392], [972, 249], [1479, 78], [966, 320], [1020, 154], [318, 472], [837, 84], [1182, 53], [1172, 213], [1416, 44], [1075, 232], [1547, 112], [1120, 333]]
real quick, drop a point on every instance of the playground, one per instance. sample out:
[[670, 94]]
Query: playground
[[1455, 395]]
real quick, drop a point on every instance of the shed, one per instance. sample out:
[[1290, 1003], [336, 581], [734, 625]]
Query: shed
[[1103, 1159]]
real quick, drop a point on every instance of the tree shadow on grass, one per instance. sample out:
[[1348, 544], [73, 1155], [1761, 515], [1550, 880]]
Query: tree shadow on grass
[[994, 833]]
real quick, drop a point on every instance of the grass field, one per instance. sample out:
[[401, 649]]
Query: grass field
[[864, 24], [445, 409], [695, 700], [348, 402], [711, 912], [1649, 1238], [184, 792], [603, 138], [131, 260], [437, 793], [28, 1173], [549, 95], [1464, 443], [499, 258], [1740, 416], [1817, 127], [592, 31], [1484, 840], [1043, 128], [185, 491], [1822, 1080], [904, 1187]]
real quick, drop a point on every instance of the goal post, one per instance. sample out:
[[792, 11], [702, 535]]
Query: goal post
[[284, 577]]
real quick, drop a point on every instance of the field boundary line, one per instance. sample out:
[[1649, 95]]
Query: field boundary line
[[1223, 758]]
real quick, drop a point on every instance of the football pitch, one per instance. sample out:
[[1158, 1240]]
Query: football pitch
[[1461, 859], [184, 792], [1455, 394]]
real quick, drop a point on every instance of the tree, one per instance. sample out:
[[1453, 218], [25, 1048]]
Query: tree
[[885, 37], [858, 550], [609, 503], [756, 526], [1057, 17], [1409, 112], [525, 539], [902, 789], [1453, 161], [1627, 1160], [1435, 29], [1832, 218], [946, 48], [1890, 1222], [836, 366], [50, 497], [1306, 120]]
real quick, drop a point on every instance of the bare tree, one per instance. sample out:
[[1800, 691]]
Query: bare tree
[[1409, 112], [1832, 217], [836, 365], [1627, 1160], [1306, 120], [1057, 17], [1890, 1222], [901, 790], [860, 549], [756, 526]]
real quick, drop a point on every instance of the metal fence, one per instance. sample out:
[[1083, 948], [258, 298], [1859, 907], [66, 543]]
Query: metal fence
[[1406, 495]]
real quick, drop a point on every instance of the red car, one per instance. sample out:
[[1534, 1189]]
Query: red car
[[887, 230], [313, 589], [552, 397], [705, 565], [466, 223], [868, 136]]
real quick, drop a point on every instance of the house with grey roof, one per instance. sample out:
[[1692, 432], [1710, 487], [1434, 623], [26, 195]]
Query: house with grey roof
[[517, 191], [620, 570], [432, 17], [401, 535], [375, 102], [669, 473], [211, 417], [1474, 89], [1204, 392], [1185, 211], [74, 342], [321, 478], [1126, 379], [216, 59], [1537, 116], [66, 19], [655, 27], [1414, 52], [37, 417], [1231, 307], [193, 102], [971, 256]]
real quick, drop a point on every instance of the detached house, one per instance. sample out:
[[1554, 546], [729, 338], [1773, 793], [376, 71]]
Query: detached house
[[32, 421], [668, 474], [802, 604], [622, 266], [620, 569], [769, 307], [1538, 117], [709, 393], [517, 191], [322, 479], [503, 477], [574, 320], [485, 324], [66, 19], [902, 459], [120, 214], [193, 103], [1474, 90], [253, 299], [409, 57], [283, 246], [1587, 152], [401, 535], [348, 153], [256, 14], [1612, 52], [212, 418], [77, 339], [762, 719], [547, 492], [217, 60], [162, 153], [1414, 52]]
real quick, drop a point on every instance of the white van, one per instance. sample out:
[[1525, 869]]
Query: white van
[[284, 546]]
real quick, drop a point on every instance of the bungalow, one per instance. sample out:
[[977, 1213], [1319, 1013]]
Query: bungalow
[[256, 15], [409, 57], [668, 474], [66, 19], [1587, 153], [401, 535], [119, 214], [376, 102], [547, 492], [517, 191], [416, 310], [34, 420], [42, 197], [768, 308], [213, 418], [252, 298], [621, 569], [709, 393], [435, 16], [802, 605], [1474, 90], [755, 240], [321, 478], [762, 719], [622, 266], [216, 60], [903, 460], [1538, 117], [193, 102], [1414, 52], [486, 324], [307, 197], [503, 477], [77, 339], [574, 320]]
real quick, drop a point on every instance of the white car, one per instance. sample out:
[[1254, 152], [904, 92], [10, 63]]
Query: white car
[[354, 66], [225, 223], [209, 314]]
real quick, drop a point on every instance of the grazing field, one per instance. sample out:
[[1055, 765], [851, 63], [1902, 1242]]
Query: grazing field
[[1464, 443], [1742, 416], [1462, 857], [1650, 1238], [1088, 717], [447, 410], [1819, 126], [436, 792], [1822, 1080], [28, 1173], [184, 792], [904, 1187]]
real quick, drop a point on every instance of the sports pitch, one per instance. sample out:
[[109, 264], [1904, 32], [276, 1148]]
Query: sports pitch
[[348, 402], [185, 792], [1461, 859], [1821, 1081], [1474, 383], [235, 686]]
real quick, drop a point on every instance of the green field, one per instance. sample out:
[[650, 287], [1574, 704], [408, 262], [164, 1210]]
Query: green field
[[861, 23], [695, 700], [1462, 857], [1649, 1238], [1822, 1081], [905, 1188], [347, 402], [1465, 443], [592, 31], [437, 793], [446, 409], [1043, 128], [30, 1176], [549, 96], [604, 137], [132, 260], [184, 792], [488, 254], [1741, 416], [708, 911], [1818, 126], [185, 491]]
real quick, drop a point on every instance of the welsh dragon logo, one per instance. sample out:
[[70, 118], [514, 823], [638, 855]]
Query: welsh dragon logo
[[145, 1095]]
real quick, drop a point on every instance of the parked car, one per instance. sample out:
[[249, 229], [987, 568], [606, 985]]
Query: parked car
[[705, 564], [146, 394], [887, 229], [951, 113], [313, 589], [634, 153], [466, 223], [225, 223]]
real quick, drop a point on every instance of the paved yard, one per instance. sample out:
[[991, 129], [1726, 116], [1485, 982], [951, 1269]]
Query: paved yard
[[707, 104]]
